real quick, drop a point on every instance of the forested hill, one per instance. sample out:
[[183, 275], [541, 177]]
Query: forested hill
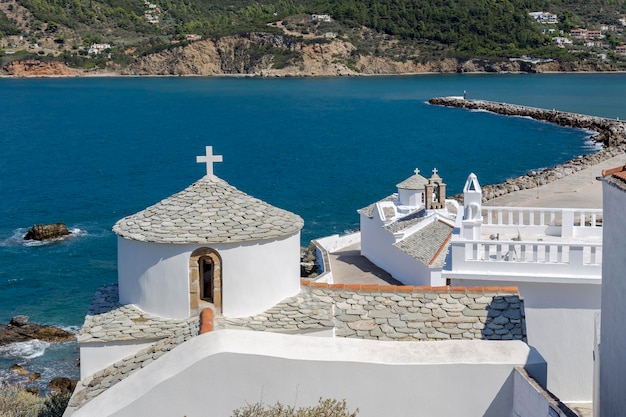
[[419, 30]]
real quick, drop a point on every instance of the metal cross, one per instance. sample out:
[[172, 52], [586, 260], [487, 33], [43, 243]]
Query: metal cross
[[417, 171], [209, 159]]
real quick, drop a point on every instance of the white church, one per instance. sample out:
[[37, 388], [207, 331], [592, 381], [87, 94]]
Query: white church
[[407, 233], [212, 253]]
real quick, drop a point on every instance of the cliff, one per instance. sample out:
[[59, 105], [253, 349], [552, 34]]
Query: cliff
[[33, 68], [269, 55]]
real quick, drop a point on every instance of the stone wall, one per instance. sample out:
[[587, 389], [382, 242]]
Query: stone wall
[[395, 313]]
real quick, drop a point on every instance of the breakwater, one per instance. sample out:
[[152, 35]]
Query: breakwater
[[610, 133]]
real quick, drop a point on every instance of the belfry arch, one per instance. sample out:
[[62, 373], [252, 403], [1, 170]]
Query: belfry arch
[[205, 279]]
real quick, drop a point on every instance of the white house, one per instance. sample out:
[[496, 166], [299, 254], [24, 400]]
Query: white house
[[98, 48], [544, 17], [554, 257], [612, 369], [407, 233]]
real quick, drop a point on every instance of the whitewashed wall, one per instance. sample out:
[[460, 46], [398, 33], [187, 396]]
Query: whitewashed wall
[[217, 372], [560, 325], [377, 246], [255, 276], [97, 356], [531, 400], [613, 328]]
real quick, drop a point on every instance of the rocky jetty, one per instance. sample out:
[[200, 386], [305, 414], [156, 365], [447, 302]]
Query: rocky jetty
[[47, 231], [610, 132], [19, 330]]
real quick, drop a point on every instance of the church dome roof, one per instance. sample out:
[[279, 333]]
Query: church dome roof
[[414, 182], [208, 211]]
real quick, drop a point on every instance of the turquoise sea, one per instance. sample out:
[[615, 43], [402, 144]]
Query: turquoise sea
[[89, 151]]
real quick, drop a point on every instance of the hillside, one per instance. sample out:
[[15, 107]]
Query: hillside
[[318, 37]]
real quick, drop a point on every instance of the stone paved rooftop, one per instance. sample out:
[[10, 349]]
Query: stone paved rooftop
[[406, 221], [428, 244], [209, 211], [108, 321], [369, 210]]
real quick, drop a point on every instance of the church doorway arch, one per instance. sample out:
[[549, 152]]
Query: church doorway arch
[[205, 279]]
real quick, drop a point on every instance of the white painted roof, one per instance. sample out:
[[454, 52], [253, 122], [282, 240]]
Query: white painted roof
[[209, 211]]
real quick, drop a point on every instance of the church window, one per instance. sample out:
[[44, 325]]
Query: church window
[[205, 265], [205, 279]]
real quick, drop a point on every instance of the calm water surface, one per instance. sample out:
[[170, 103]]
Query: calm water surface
[[90, 151]]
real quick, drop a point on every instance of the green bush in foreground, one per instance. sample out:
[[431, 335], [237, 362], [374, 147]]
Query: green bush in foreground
[[325, 408]]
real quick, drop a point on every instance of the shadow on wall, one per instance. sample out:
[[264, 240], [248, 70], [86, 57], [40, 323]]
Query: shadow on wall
[[518, 390], [505, 319]]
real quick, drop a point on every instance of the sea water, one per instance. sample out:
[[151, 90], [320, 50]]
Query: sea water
[[89, 151]]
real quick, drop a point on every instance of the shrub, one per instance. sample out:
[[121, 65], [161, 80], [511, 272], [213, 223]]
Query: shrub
[[325, 408], [16, 402], [55, 405]]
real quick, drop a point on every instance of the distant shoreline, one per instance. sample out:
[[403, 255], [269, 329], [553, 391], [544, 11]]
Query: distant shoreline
[[116, 74]]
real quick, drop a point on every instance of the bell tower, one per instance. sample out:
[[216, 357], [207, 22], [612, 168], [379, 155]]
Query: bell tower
[[472, 205]]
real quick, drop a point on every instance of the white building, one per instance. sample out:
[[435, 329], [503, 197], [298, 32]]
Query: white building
[[321, 17], [612, 369], [544, 17], [211, 242], [407, 233], [208, 246], [199, 248], [554, 257], [98, 48]]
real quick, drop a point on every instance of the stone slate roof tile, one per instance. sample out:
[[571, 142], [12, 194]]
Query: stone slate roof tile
[[208, 211], [369, 210], [414, 182], [109, 321], [407, 221], [426, 243]]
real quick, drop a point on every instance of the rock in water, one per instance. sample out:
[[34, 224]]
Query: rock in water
[[22, 333], [19, 321], [62, 385], [47, 231]]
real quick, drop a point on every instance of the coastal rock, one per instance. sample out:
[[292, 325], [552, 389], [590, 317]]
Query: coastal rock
[[47, 231], [19, 321], [29, 331], [33, 68], [61, 385], [18, 370]]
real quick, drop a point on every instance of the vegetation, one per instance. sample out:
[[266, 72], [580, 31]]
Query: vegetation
[[7, 27], [325, 408], [15, 401], [486, 29]]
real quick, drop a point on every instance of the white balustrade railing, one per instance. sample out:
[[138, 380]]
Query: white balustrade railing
[[532, 252], [570, 222], [520, 258]]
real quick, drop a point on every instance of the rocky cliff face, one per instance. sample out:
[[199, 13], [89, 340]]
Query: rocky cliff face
[[32, 68], [269, 55]]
